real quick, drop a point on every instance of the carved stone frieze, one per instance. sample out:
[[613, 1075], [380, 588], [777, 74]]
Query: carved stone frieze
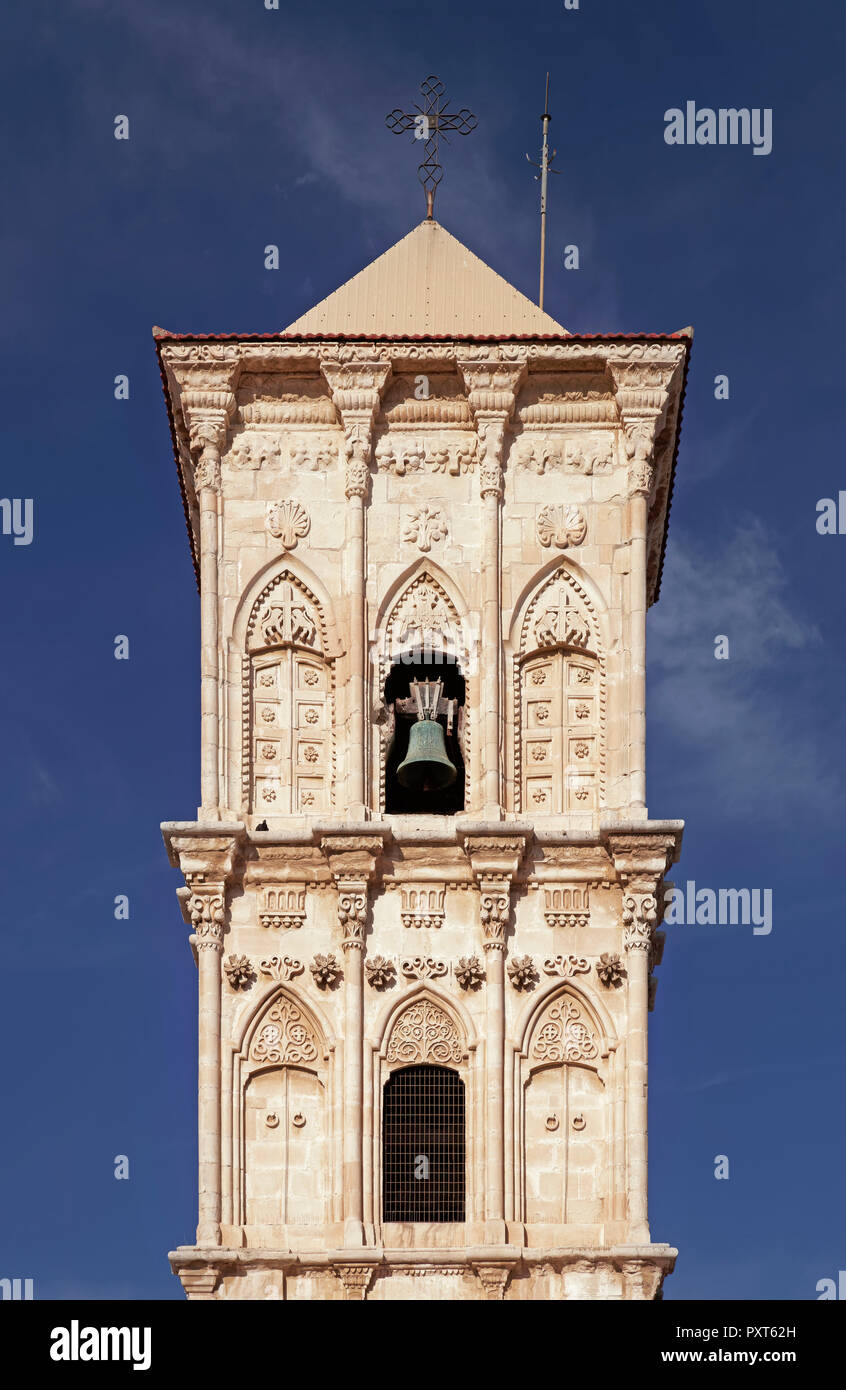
[[283, 906], [581, 453], [402, 454]]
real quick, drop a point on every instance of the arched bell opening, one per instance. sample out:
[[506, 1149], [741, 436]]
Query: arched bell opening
[[423, 1145], [424, 771]]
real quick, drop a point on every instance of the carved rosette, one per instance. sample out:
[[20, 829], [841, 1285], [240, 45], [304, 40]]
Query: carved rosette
[[470, 973], [522, 973], [381, 973], [610, 970], [239, 972], [325, 971]]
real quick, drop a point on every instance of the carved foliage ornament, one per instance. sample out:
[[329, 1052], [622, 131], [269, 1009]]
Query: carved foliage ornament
[[285, 1036], [469, 972], [422, 968], [281, 968], [207, 918], [425, 528], [239, 972], [562, 1034], [522, 972], [566, 966], [424, 1032], [380, 972], [325, 970], [640, 912]]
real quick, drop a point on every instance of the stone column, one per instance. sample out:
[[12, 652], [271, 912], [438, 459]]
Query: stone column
[[353, 859], [639, 915], [491, 389], [207, 862], [642, 393], [352, 915], [206, 906], [356, 391], [494, 907], [207, 414], [640, 860], [494, 860]]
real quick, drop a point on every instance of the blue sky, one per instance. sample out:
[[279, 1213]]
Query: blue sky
[[250, 127]]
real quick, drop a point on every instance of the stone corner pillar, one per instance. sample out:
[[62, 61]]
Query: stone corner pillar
[[353, 860], [356, 388], [492, 387]]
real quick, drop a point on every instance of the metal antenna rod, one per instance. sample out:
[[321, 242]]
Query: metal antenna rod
[[546, 118], [545, 170]]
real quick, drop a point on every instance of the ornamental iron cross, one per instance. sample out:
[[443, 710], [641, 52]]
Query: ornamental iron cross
[[428, 122]]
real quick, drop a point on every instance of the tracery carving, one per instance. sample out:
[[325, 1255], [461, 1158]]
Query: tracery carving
[[284, 1036], [424, 1032], [563, 1035]]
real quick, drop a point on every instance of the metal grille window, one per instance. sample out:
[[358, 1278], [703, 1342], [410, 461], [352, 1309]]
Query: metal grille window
[[423, 1145]]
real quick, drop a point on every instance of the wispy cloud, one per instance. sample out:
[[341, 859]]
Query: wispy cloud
[[747, 727]]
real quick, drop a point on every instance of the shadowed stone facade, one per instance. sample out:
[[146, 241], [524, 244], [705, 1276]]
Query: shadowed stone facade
[[495, 506]]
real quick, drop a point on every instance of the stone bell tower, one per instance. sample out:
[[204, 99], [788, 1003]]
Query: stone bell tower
[[423, 997]]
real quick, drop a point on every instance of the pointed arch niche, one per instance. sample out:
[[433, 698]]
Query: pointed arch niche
[[568, 1105], [288, 702], [559, 701], [285, 1140], [422, 631]]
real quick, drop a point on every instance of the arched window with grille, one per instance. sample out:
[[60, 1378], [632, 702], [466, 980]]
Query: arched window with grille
[[423, 1145]]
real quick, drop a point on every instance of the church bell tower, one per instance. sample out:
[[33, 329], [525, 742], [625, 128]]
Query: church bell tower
[[423, 889]]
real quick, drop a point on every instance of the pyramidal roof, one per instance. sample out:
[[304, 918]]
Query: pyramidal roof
[[427, 285]]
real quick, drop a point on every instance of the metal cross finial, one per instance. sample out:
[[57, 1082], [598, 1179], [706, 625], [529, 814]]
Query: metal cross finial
[[428, 122]]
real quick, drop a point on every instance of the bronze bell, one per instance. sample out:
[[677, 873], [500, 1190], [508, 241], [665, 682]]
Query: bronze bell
[[426, 767]]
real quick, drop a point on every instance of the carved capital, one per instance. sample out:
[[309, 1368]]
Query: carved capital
[[494, 909], [640, 913], [493, 1279], [352, 912], [355, 1279], [356, 389], [492, 388], [208, 914], [207, 415]]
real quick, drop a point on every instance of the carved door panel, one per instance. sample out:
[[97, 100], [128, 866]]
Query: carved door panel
[[291, 735], [542, 720], [565, 1159], [561, 748], [285, 1149], [583, 734]]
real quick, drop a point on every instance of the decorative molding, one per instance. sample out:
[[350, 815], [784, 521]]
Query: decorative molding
[[424, 1032], [281, 968], [566, 966], [422, 904], [422, 968], [402, 454], [287, 521], [493, 1279], [283, 907], [567, 905]]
